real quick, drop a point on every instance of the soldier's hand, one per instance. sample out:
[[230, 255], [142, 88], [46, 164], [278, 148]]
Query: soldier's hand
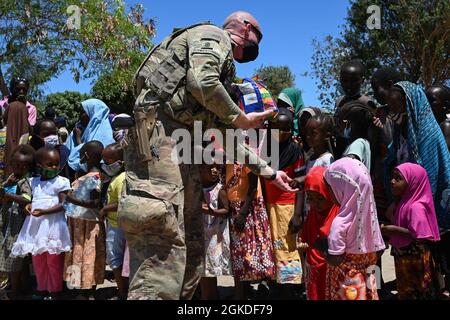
[[282, 182], [252, 120]]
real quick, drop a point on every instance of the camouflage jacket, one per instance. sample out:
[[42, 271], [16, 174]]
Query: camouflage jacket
[[205, 53]]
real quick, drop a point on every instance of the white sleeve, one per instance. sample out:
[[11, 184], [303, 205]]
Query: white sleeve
[[63, 184]]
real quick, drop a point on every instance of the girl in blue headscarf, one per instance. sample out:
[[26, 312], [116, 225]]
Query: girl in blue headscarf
[[94, 124], [418, 139]]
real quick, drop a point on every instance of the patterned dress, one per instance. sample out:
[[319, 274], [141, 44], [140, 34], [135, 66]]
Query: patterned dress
[[350, 281], [217, 237], [84, 266], [281, 208], [12, 219], [251, 250], [415, 269]]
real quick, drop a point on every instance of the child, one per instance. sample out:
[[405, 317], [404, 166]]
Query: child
[[357, 119], [44, 233], [46, 134], [84, 266], [439, 99], [291, 99], [63, 133], [303, 117], [115, 238], [351, 79], [250, 242], [217, 234], [315, 231], [355, 237], [413, 232], [319, 134], [445, 127], [16, 191], [281, 205]]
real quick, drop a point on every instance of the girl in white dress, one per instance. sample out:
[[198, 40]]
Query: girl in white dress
[[45, 234]]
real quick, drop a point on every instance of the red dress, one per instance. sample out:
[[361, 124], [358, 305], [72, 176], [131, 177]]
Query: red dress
[[317, 226]]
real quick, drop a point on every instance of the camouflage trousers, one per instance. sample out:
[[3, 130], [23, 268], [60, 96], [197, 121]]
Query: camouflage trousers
[[193, 224], [151, 214]]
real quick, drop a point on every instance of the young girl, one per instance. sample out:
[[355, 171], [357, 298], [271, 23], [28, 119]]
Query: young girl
[[413, 232], [281, 205], [319, 135], [84, 266], [16, 191], [355, 237], [251, 242], [291, 99], [217, 234], [356, 121], [303, 117], [44, 233], [315, 231]]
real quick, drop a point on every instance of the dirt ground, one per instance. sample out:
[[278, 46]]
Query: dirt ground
[[107, 291]]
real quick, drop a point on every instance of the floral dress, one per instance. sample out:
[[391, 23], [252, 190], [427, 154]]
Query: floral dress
[[84, 266], [251, 250]]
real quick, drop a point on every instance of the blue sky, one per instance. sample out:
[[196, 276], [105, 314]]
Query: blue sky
[[288, 26]]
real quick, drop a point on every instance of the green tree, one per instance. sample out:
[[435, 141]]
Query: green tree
[[277, 78], [65, 104], [414, 39], [38, 41], [115, 89]]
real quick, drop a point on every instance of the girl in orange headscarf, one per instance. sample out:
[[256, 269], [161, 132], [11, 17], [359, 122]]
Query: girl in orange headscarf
[[315, 231]]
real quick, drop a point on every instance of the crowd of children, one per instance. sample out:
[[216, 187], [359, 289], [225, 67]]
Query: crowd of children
[[374, 174]]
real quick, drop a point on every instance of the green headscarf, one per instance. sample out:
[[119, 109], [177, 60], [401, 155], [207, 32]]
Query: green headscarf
[[293, 98]]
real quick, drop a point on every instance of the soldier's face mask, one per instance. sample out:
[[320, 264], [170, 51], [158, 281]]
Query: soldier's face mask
[[250, 50]]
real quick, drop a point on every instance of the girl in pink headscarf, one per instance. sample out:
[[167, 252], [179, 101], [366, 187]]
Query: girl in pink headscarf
[[355, 237], [413, 231]]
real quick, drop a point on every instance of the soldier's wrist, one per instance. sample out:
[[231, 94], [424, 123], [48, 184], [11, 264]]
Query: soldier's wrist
[[273, 176]]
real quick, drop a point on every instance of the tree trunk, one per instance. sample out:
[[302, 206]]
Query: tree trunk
[[3, 87]]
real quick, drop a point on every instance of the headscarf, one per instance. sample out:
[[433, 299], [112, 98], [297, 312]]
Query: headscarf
[[318, 225], [415, 211], [427, 145], [98, 128], [355, 229], [17, 129], [293, 98]]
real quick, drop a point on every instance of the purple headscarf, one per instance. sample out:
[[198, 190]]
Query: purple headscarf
[[415, 210]]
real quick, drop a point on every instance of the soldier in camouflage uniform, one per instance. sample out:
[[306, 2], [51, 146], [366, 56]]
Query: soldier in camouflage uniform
[[184, 79]]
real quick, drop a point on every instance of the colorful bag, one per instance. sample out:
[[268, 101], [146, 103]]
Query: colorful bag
[[254, 96]]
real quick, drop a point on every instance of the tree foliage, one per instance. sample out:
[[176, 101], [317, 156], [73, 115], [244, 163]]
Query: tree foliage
[[66, 104], [277, 78], [414, 39], [115, 89], [37, 41]]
